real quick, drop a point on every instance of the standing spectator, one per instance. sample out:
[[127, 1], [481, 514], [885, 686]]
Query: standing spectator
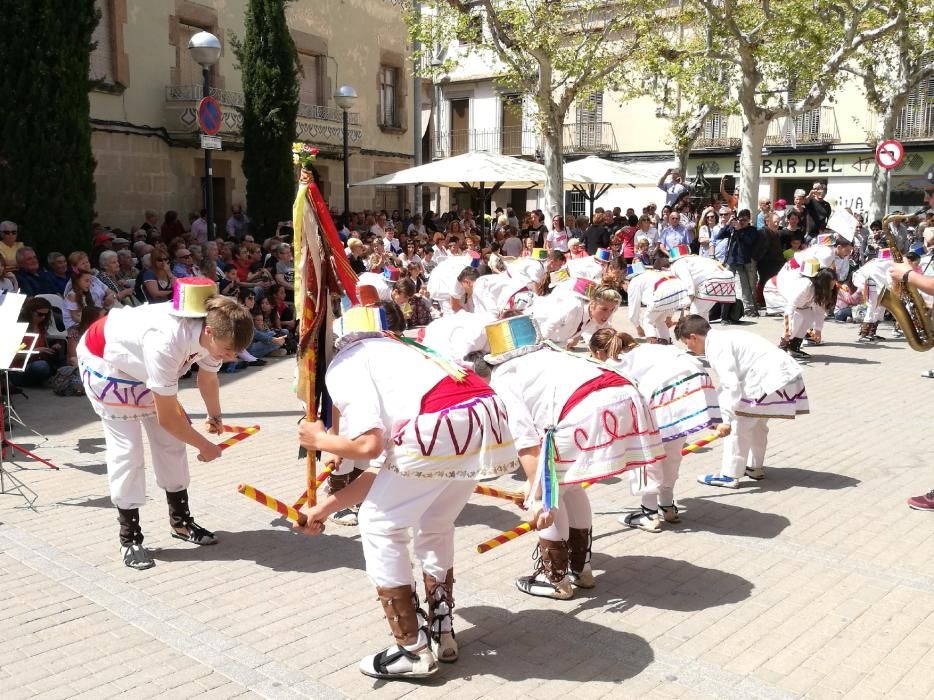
[[798, 205], [674, 234], [721, 245], [199, 227], [781, 208], [151, 226], [597, 235], [739, 257], [512, 245], [28, 279], [558, 237], [765, 208], [57, 276], [705, 235], [646, 231], [237, 224], [172, 227], [817, 211], [576, 249], [731, 200], [772, 256], [673, 190], [537, 229], [626, 237], [8, 243]]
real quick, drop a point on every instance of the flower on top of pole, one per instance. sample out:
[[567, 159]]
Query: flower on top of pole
[[304, 154]]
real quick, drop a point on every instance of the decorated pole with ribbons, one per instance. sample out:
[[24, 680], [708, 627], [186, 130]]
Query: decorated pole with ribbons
[[321, 270], [695, 446]]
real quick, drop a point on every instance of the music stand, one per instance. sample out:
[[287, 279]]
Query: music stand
[[14, 342]]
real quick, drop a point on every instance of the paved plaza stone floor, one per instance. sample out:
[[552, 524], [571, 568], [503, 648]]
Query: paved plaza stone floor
[[815, 582]]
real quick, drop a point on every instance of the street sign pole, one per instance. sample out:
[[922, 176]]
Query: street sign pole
[[208, 169]]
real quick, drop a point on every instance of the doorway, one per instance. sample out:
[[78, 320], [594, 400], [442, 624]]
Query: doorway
[[460, 126]]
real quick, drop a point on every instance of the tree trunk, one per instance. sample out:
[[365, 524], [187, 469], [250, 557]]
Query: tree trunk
[[750, 161], [554, 168], [887, 121]]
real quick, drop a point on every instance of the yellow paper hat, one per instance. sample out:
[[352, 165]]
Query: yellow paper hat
[[189, 296], [511, 338]]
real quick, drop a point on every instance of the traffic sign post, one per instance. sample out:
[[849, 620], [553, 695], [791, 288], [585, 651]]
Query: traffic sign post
[[889, 154], [209, 115]]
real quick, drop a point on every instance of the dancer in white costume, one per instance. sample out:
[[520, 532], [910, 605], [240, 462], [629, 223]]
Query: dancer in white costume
[[661, 292], [708, 283], [807, 287], [568, 317], [682, 399], [130, 363], [872, 278], [757, 382], [427, 441], [573, 421]]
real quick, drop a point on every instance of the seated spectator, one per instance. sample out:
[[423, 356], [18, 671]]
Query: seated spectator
[[184, 264], [265, 341], [271, 317], [37, 312], [8, 244], [414, 272], [415, 309], [79, 262], [355, 253], [56, 277], [27, 274], [575, 249], [209, 270], [155, 284], [284, 310], [78, 298], [210, 251], [126, 266], [284, 272], [230, 285], [428, 260], [8, 282], [108, 269]]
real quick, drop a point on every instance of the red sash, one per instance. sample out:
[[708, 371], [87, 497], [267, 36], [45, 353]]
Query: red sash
[[94, 338], [604, 380], [663, 279], [450, 392]]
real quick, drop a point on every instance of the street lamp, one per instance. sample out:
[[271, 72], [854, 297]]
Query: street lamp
[[346, 97], [205, 49]]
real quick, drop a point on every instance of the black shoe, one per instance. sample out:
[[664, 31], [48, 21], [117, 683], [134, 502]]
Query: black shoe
[[196, 534], [800, 355], [258, 363], [136, 556]]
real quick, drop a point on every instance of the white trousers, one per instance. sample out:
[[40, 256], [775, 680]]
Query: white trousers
[[654, 325], [573, 511], [745, 445], [393, 509], [661, 476], [702, 307], [875, 312], [126, 462]]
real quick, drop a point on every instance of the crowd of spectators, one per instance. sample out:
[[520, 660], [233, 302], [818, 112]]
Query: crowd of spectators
[[141, 267]]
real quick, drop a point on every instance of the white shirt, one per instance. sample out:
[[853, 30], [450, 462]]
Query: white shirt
[[199, 229], [673, 190], [651, 236], [561, 317], [456, 335], [153, 346], [653, 367], [694, 270], [535, 387], [747, 365], [558, 240], [368, 396], [642, 291], [378, 281]]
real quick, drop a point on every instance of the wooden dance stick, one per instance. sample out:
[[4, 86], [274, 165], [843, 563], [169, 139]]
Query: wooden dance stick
[[243, 435], [236, 428], [695, 446], [273, 504], [515, 532], [514, 496], [320, 480]]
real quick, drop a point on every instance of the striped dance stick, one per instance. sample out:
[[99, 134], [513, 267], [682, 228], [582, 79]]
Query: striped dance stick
[[695, 446], [236, 428], [513, 496], [273, 504], [517, 531], [304, 497], [240, 436]]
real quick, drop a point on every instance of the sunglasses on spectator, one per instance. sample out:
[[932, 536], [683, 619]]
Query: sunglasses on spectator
[[14, 231]]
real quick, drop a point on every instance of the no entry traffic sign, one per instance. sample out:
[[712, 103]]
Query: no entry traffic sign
[[889, 154], [209, 115]]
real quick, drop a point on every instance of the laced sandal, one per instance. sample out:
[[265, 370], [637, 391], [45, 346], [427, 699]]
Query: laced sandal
[[136, 556], [398, 662], [195, 534]]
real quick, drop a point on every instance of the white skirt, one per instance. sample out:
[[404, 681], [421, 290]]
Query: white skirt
[[609, 432], [686, 405], [789, 401], [668, 295], [470, 440], [114, 394], [721, 289]]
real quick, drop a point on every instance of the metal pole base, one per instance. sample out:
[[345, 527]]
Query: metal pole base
[[16, 485]]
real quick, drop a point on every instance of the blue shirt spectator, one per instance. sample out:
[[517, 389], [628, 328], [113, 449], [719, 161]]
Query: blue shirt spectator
[[674, 233]]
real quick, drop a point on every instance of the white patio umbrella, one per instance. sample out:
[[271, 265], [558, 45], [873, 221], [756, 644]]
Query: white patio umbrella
[[482, 173], [593, 175]]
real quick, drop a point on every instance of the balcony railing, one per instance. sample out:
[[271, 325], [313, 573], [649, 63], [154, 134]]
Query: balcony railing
[[316, 123], [916, 122], [597, 137], [724, 132], [819, 126]]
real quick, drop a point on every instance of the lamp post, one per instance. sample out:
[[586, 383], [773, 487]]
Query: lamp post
[[346, 97], [205, 49]]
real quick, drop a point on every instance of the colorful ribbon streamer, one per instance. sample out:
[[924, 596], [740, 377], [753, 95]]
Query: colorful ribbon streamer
[[273, 504]]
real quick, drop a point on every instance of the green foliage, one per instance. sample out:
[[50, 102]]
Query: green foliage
[[46, 165], [270, 69]]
